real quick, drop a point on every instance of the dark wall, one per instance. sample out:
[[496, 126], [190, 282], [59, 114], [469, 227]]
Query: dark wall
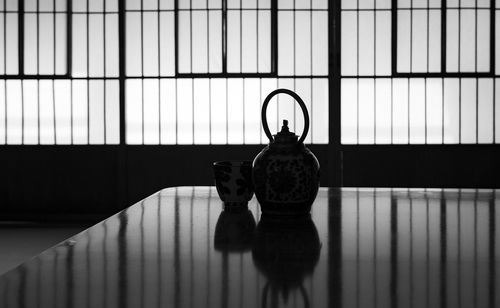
[[440, 166], [92, 182]]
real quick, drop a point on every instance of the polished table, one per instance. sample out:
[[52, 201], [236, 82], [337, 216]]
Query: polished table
[[363, 248]]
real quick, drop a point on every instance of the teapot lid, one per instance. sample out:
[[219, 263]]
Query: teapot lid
[[285, 135]]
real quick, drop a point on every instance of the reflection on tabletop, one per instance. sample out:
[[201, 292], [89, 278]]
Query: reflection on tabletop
[[361, 248]]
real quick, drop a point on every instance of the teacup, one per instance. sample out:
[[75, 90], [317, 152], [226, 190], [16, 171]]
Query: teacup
[[233, 180]]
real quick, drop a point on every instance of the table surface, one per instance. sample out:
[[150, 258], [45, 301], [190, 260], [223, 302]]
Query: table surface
[[363, 248]]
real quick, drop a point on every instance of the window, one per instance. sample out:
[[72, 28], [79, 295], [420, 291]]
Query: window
[[446, 38], [423, 72], [35, 38], [63, 87], [208, 88], [229, 37], [160, 72]]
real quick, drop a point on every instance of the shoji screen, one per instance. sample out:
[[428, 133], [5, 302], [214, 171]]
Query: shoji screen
[[423, 72], [95, 70], [198, 71], [59, 72]]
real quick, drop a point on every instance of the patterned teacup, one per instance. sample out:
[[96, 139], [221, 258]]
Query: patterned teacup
[[233, 180]]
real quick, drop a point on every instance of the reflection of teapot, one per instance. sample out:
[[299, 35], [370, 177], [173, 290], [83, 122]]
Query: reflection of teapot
[[286, 173], [234, 230], [285, 251]]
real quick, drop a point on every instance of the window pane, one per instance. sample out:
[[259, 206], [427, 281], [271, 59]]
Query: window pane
[[419, 59], [404, 41], [249, 41], [452, 41], [47, 117], [434, 41], [467, 37], [96, 45], [366, 43], [13, 108], [112, 112], [485, 111], [168, 111], [3, 31], [252, 106], [451, 111], [383, 111], [184, 47], [366, 111], [303, 37], [11, 43], [167, 44], [320, 43], [235, 111], [349, 111], [79, 57], [80, 111], [264, 41], [218, 111], [30, 44], [417, 110], [349, 43], [319, 111], [94, 5], [150, 107], [199, 42], [400, 118], [467, 121], [215, 42], [185, 111], [62, 103], [30, 91], [151, 45], [383, 43], [96, 112], [133, 113], [434, 107], [111, 44], [201, 98], [483, 41], [61, 51], [233, 42]]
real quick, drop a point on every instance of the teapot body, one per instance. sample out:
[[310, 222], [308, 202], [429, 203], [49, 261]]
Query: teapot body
[[286, 179]]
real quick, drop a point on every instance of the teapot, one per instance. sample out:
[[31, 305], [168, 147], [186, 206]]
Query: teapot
[[285, 173]]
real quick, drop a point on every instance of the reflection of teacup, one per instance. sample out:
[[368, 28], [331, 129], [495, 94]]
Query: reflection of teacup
[[234, 231], [286, 250], [233, 180]]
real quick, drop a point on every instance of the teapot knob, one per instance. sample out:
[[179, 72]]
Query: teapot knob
[[285, 126], [285, 122]]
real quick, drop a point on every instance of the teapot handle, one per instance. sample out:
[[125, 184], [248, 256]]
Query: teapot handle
[[302, 105]]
